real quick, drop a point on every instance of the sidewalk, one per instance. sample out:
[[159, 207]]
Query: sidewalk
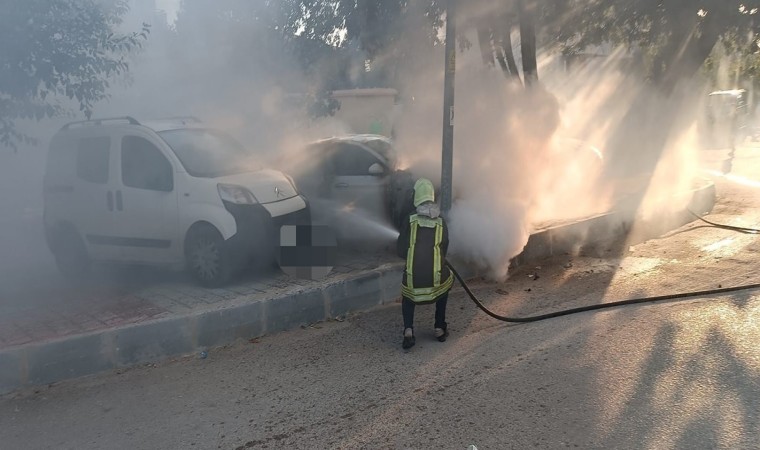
[[56, 333], [120, 299]]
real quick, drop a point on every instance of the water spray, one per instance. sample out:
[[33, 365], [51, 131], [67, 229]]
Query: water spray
[[356, 222]]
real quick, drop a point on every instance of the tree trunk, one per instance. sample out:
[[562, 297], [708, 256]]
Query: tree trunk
[[486, 47], [526, 10], [642, 136], [682, 25], [502, 61], [692, 53], [506, 45]]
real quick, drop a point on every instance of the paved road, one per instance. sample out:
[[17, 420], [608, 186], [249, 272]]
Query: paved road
[[676, 375], [671, 375]]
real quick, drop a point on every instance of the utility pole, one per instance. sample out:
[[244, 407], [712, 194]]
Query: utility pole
[[447, 154], [526, 10]]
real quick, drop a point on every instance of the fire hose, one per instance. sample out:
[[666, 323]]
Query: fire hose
[[634, 301]]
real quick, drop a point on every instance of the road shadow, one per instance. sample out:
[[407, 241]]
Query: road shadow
[[688, 401]]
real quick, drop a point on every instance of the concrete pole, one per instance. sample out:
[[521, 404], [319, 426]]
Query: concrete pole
[[447, 154]]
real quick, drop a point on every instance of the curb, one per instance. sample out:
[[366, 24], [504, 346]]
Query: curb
[[153, 341], [614, 228]]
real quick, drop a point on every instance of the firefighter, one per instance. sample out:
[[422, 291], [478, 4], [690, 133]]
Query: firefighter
[[423, 242]]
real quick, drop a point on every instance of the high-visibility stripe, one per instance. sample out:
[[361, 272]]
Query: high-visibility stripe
[[422, 295], [410, 253], [437, 254], [426, 221], [425, 294]]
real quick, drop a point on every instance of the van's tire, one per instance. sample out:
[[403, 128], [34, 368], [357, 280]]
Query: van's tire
[[207, 257], [70, 253]]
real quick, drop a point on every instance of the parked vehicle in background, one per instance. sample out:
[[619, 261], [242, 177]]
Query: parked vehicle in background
[[170, 192], [725, 119]]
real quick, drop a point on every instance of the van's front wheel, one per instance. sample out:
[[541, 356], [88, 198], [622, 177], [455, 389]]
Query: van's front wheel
[[207, 257]]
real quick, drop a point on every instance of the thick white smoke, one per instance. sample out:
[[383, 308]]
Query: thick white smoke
[[525, 159], [514, 169]]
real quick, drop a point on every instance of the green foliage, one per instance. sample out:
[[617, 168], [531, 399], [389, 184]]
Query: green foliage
[[735, 62], [383, 33], [273, 36], [333, 42], [675, 36], [58, 48]]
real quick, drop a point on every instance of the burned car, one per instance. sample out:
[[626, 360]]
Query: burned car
[[357, 178], [357, 173]]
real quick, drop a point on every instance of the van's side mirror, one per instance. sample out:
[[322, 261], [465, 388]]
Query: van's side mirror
[[376, 169]]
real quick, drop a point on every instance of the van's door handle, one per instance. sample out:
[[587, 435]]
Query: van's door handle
[[109, 200], [341, 185], [119, 203]]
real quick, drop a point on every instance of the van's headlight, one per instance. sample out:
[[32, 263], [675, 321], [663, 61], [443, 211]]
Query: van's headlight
[[236, 194]]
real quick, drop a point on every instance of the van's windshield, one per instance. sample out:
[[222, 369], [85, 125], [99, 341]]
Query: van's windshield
[[208, 153]]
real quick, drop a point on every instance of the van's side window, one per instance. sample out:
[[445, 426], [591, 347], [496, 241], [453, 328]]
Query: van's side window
[[93, 155], [143, 166]]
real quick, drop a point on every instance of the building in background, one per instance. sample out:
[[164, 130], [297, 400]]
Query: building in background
[[367, 111]]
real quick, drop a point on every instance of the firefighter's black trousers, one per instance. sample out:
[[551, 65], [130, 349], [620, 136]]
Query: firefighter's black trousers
[[407, 310]]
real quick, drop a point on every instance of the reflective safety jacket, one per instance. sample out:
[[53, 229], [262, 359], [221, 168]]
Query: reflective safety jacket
[[424, 243]]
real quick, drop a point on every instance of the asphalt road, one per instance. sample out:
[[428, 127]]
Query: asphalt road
[[669, 375]]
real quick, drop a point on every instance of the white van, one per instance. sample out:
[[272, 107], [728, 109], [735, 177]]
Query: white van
[[169, 192]]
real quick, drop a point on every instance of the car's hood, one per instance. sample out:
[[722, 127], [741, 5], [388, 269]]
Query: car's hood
[[267, 185]]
